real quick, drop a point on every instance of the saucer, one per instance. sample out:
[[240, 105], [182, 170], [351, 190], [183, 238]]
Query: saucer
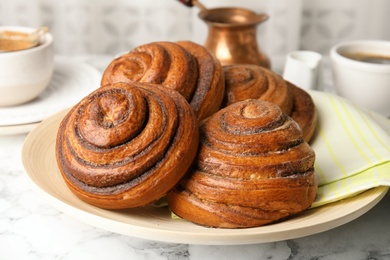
[[71, 82], [17, 129]]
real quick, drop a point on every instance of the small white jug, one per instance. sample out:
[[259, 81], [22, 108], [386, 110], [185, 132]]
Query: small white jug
[[303, 69]]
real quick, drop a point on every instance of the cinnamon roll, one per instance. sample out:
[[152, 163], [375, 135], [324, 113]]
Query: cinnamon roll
[[184, 66], [304, 112], [253, 168], [126, 145], [246, 81]]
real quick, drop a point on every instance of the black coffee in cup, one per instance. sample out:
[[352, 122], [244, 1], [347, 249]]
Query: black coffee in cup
[[368, 57]]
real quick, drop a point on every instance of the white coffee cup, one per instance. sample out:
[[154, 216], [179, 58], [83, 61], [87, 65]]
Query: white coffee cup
[[24, 74], [365, 83]]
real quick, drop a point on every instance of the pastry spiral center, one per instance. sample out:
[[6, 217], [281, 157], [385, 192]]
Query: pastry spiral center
[[250, 116], [113, 118], [113, 109], [237, 75], [253, 111]]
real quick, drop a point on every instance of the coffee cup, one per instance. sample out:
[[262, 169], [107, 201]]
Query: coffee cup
[[361, 73], [25, 73]]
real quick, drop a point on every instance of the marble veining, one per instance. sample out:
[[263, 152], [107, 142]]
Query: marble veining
[[31, 229]]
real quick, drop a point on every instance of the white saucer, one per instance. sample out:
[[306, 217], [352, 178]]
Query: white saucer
[[71, 82], [17, 129]]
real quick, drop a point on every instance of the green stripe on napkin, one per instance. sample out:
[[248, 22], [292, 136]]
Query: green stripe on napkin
[[352, 148]]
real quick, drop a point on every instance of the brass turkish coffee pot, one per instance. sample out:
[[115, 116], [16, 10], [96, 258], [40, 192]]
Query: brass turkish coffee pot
[[232, 34]]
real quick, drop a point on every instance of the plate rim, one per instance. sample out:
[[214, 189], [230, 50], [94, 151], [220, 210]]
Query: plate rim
[[208, 236]]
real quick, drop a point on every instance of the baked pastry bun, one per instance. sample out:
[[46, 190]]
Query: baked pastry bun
[[184, 66], [126, 145], [252, 168], [247, 81]]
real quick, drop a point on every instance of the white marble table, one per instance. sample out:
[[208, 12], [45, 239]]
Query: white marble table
[[30, 228]]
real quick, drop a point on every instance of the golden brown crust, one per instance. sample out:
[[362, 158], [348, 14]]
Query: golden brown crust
[[126, 145], [246, 81], [163, 63], [253, 168], [304, 112], [186, 67], [210, 88]]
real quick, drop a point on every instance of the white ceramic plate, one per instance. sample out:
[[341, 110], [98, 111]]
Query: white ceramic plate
[[17, 129], [153, 223], [71, 81]]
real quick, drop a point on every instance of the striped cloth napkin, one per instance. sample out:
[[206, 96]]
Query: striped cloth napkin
[[352, 147]]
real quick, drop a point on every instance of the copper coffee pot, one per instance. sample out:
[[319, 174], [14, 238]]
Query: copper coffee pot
[[232, 34]]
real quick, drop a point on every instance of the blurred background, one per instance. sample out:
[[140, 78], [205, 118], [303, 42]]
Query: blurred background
[[109, 27]]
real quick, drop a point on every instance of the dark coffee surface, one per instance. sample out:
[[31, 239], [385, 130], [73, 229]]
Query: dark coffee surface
[[368, 57]]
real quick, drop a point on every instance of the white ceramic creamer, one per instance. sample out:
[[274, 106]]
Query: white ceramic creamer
[[303, 69]]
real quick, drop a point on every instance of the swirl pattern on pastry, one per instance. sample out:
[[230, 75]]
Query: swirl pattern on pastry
[[246, 81], [210, 87], [184, 66], [126, 145], [304, 112], [253, 168]]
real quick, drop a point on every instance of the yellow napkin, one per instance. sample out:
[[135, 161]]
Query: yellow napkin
[[352, 147]]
